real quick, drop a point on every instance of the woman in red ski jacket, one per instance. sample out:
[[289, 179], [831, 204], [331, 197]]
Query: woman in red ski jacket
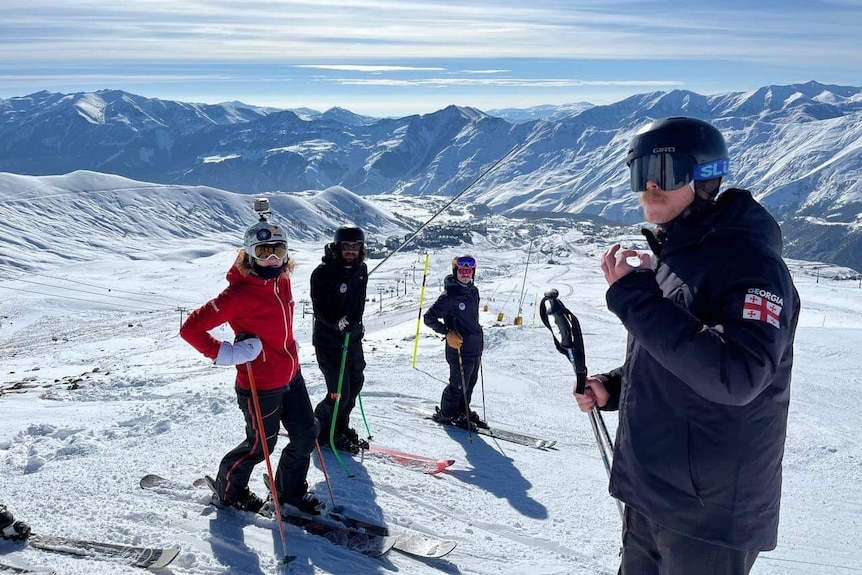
[[258, 305]]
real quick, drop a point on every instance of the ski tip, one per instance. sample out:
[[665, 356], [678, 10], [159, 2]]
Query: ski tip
[[167, 556]]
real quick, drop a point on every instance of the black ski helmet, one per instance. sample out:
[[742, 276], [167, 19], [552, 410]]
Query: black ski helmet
[[682, 150], [349, 233]]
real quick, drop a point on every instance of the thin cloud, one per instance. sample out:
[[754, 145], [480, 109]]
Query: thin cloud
[[508, 82], [368, 68]]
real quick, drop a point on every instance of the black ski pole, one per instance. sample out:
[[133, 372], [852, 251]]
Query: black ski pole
[[464, 391], [571, 344]]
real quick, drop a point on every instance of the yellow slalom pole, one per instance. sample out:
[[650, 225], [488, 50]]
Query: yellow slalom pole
[[421, 301]]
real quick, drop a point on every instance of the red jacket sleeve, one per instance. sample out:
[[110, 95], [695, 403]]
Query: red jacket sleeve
[[195, 330]]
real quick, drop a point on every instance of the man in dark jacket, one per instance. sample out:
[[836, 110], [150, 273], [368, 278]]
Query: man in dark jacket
[[704, 390], [455, 314], [338, 289]]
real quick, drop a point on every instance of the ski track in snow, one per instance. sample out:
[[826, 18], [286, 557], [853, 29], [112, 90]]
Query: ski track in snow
[[94, 399]]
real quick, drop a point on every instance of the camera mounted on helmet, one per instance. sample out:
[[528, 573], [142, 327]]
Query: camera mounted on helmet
[[673, 152], [265, 241]]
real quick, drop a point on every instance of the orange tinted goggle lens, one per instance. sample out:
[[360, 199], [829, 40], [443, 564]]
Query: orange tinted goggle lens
[[266, 251]]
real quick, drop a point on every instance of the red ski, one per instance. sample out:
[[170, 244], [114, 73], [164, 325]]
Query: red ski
[[419, 462]]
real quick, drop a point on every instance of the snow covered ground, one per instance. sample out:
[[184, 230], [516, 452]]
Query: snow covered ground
[[98, 390]]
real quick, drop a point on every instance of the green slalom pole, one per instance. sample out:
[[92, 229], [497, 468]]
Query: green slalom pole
[[338, 401]]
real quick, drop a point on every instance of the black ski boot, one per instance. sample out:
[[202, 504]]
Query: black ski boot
[[307, 503], [463, 421], [474, 417], [11, 529]]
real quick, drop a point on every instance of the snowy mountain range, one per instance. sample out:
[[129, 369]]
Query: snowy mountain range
[[798, 148]]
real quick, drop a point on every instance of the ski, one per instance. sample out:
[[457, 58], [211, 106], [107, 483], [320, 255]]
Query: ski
[[369, 544], [406, 541], [6, 568], [496, 433], [418, 462], [145, 557], [421, 463]]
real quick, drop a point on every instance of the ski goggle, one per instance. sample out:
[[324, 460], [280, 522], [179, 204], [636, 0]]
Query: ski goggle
[[671, 171], [468, 262], [351, 246], [265, 251]]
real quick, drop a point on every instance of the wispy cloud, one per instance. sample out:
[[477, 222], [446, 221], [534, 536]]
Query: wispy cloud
[[507, 82], [373, 69]]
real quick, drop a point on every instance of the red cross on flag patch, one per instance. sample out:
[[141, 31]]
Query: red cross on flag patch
[[763, 306]]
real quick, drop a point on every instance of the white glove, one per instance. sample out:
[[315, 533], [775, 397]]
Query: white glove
[[239, 352], [342, 324]]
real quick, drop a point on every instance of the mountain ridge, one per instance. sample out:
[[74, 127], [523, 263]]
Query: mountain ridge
[[798, 148]]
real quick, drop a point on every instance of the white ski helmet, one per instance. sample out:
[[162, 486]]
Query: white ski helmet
[[264, 233]]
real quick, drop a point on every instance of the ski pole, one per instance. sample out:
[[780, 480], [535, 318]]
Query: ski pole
[[337, 402], [464, 390], [482, 377], [261, 434], [571, 344], [325, 472], [364, 420], [320, 458]]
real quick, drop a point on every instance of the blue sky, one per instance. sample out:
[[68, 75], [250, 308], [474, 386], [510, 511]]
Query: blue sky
[[398, 57]]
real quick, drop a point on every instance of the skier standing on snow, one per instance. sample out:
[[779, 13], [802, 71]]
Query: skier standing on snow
[[704, 390], [10, 529], [455, 314], [258, 305], [338, 289]]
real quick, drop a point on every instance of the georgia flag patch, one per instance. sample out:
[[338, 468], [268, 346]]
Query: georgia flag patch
[[762, 305]]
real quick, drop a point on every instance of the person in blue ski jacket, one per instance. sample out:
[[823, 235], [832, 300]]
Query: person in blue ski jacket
[[455, 314], [704, 390]]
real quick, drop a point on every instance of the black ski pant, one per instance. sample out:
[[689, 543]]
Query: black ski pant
[[452, 401], [329, 360], [650, 549], [288, 406]]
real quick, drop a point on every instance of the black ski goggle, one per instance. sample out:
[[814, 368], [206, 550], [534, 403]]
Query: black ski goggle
[[671, 171]]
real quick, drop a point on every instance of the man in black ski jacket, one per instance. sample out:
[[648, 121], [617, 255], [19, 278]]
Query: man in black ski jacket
[[704, 391], [455, 314], [338, 289]]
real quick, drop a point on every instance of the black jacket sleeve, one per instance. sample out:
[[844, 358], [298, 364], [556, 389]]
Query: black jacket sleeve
[[729, 362], [435, 317]]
